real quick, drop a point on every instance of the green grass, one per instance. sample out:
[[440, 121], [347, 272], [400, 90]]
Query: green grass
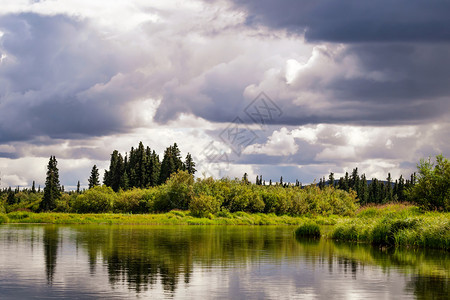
[[308, 229], [174, 217], [396, 225]]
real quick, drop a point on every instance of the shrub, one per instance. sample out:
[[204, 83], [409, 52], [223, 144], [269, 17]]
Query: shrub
[[99, 199], [203, 205], [62, 204], [178, 191], [432, 190], [308, 229], [3, 218], [131, 201], [18, 215]]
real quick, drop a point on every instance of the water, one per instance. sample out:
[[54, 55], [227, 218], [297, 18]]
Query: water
[[207, 262]]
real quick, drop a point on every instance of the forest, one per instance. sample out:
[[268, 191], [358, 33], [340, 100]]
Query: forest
[[139, 182]]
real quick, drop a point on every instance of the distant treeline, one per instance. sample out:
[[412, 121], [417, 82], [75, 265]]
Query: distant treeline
[[142, 169]]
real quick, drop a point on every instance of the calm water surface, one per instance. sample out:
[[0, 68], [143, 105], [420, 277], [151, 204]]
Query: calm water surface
[[207, 262]]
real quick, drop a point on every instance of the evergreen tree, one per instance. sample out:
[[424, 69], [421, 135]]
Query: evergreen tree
[[401, 189], [354, 182], [341, 183], [171, 163], [112, 177], [189, 164], [321, 185], [11, 199], [346, 182], [33, 187], [52, 190], [154, 169], [389, 188], [94, 179], [363, 190], [331, 179], [281, 180], [78, 187], [245, 179]]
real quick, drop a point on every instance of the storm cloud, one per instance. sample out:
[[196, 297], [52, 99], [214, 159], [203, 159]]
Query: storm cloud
[[352, 21], [357, 83]]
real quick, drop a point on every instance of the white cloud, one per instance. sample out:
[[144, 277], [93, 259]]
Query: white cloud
[[280, 143]]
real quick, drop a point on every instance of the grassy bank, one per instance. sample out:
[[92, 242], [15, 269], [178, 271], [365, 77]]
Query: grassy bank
[[396, 225], [386, 226], [170, 218]]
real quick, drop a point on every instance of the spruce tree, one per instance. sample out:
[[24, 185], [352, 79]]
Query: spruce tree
[[189, 164], [52, 189], [94, 179], [78, 187], [331, 179], [389, 188]]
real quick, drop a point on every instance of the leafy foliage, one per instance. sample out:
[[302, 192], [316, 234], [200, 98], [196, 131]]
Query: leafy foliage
[[432, 190], [203, 205], [99, 199]]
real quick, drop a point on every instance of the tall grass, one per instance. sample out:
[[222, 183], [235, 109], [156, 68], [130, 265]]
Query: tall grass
[[396, 225], [308, 229]]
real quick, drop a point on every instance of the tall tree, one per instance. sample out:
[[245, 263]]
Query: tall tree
[[94, 179], [363, 190], [52, 189], [171, 163], [113, 176], [189, 164], [78, 187], [331, 179], [389, 188]]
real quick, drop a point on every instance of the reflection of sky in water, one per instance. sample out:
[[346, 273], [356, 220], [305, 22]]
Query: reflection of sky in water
[[25, 267]]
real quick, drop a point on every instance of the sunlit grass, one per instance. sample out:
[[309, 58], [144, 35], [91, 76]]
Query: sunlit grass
[[385, 226], [396, 225]]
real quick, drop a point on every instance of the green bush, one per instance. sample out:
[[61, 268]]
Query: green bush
[[3, 218], [19, 215], [432, 190], [177, 193], [62, 204], [203, 205], [308, 229], [131, 201], [99, 199]]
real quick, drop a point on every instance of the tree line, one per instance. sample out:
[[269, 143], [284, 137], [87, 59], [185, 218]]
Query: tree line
[[142, 169]]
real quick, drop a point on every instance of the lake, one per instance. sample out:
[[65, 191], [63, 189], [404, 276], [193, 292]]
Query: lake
[[208, 262]]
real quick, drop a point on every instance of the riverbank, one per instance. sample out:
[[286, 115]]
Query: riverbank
[[390, 225], [174, 217], [394, 226]]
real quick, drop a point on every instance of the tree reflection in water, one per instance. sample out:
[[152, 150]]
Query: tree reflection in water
[[50, 243], [142, 256]]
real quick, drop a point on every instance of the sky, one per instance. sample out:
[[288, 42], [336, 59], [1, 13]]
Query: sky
[[292, 88]]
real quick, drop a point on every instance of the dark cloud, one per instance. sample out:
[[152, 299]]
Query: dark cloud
[[52, 69], [354, 21]]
